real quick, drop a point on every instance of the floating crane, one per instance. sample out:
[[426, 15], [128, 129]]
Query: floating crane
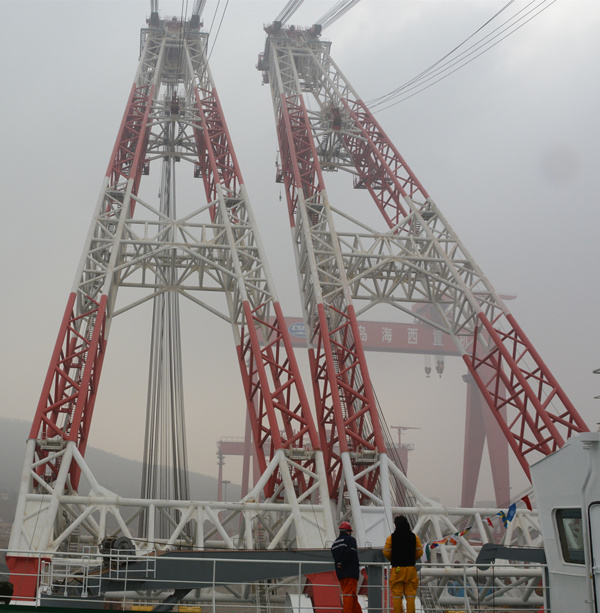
[[315, 470]]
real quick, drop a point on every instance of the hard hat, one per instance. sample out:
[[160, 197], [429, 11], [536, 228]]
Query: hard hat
[[345, 526]]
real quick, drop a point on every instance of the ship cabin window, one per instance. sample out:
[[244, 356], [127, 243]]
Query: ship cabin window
[[570, 534]]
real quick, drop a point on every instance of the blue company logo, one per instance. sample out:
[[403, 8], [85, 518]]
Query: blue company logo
[[297, 329]]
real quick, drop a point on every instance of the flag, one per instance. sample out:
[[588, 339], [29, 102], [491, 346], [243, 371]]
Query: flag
[[511, 512], [527, 502]]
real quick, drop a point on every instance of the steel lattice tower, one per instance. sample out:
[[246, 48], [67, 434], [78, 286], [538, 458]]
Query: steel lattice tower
[[314, 470], [411, 260], [173, 114]]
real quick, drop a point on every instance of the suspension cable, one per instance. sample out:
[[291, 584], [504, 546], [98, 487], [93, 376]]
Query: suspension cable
[[448, 64]]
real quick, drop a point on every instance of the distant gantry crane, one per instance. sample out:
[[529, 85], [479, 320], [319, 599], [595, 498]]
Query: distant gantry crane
[[315, 470]]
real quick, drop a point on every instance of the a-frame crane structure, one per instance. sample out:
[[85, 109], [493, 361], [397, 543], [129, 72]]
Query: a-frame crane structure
[[173, 115], [316, 470], [409, 260]]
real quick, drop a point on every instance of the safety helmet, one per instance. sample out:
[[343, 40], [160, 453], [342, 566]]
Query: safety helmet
[[345, 526]]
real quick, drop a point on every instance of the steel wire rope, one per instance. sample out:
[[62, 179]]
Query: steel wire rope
[[214, 42], [184, 12], [212, 23], [402, 495], [165, 470], [439, 72], [441, 78], [421, 76], [208, 53], [476, 47], [176, 424], [385, 97], [181, 37], [335, 12]]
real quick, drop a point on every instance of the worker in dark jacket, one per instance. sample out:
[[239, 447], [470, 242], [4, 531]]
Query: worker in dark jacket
[[345, 556], [403, 549]]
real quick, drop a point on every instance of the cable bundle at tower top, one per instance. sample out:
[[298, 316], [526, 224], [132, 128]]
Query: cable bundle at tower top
[[333, 14], [453, 61]]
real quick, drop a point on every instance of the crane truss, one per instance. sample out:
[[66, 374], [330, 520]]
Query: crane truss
[[415, 259], [216, 248], [347, 413], [132, 243]]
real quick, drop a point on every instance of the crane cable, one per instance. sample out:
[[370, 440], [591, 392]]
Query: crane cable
[[288, 10], [214, 42], [181, 41], [437, 74], [335, 13], [380, 99]]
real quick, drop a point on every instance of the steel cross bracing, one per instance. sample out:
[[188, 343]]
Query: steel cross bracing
[[358, 467], [155, 253], [416, 258], [213, 248]]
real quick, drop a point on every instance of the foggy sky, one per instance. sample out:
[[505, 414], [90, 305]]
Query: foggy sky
[[507, 147]]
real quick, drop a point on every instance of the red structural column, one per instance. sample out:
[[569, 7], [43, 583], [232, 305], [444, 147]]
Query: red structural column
[[347, 415], [539, 416], [542, 416], [69, 393], [277, 404]]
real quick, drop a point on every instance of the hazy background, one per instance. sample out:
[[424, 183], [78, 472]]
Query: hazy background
[[507, 147]]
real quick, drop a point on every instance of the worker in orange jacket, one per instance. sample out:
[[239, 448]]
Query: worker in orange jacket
[[403, 548], [347, 567]]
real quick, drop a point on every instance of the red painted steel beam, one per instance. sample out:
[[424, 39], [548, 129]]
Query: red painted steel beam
[[68, 396], [128, 156], [69, 392], [377, 161], [347, 414], [536, 426], [217, 158], [276, 401], [539, 416], [299, 162]]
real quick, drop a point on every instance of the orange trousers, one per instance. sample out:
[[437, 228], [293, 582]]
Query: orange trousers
[[349, 597], [404, 581]]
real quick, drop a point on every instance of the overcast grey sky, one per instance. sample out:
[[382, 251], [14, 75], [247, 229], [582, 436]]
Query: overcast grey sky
[[507, 147]]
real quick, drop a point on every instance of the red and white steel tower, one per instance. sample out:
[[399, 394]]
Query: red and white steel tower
[[316, 470], [349, 265], [173, 115]]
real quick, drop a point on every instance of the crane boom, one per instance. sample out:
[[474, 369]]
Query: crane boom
[[418, 259]]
